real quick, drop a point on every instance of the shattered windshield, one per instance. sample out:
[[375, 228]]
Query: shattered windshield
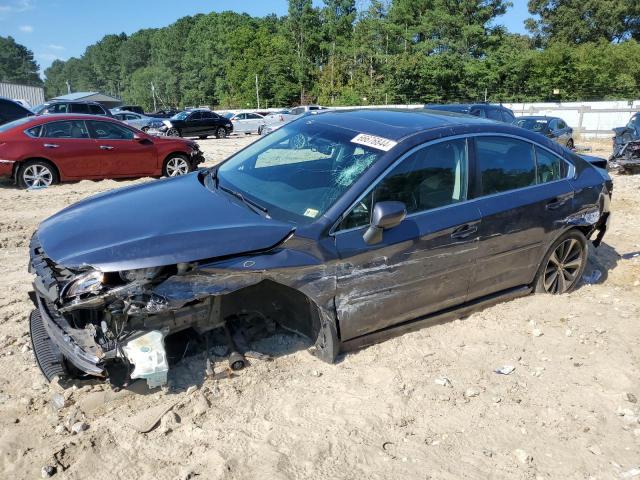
[[298, 171]]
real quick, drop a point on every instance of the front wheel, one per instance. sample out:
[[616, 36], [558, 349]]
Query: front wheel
[[570, 144], [176, 165], [173, 132], [221, 132], [563, 265], [37, 174]]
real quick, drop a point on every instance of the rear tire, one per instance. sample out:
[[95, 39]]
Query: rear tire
[[37, 173], [570, 144], [176, 165], [221, 132], [563, 264]]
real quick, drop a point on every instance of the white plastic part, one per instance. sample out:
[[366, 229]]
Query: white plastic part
[[147, 354]]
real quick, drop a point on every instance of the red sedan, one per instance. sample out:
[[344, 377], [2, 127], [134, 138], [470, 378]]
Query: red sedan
[[40, 151]]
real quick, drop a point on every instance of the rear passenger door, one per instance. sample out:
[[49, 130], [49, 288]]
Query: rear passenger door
[[523, 195], [424, 264]]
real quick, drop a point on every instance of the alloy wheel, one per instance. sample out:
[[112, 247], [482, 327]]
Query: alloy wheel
[[221, 133], [177, 166], [37, 176], [563, 267], [173, 132]]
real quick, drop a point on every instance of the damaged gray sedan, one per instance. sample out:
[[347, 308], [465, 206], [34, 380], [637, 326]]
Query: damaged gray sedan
[[345, 227]]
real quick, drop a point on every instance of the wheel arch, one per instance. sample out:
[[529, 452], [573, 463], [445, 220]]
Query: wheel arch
[[18, 165], [293, 309]]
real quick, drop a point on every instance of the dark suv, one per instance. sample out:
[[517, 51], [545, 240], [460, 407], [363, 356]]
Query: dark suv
[[10, 111], [482, 110], [90, 108], [197, 123]]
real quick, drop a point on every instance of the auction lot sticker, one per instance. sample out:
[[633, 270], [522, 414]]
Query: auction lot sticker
[[372, 141]]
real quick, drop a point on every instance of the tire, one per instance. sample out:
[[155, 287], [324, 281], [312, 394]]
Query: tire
[[176, 165], [145, 129], [563, 264], [221, 132], [202, 137], [570, 144], [48, 356], [173, 132], [37, 174]]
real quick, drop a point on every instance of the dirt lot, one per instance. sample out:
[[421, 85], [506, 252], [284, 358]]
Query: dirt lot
[[569, 409]]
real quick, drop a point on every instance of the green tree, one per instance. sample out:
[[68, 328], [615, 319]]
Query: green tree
[[303, 25], [581, 21], [17, 64]]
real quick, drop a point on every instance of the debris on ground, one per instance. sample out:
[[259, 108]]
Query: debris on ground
[[522, 456], [536, 332], [592, 278], [505, 370], [471, 392], [630, 397], [79, 427], [443, 381], [48, 471]]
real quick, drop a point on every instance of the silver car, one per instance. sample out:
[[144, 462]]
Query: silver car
[[141, 122], [245, 122]]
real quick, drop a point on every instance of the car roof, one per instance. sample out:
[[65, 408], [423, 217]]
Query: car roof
[[398, 125], [394, 124], [538, 117], [40, 119]]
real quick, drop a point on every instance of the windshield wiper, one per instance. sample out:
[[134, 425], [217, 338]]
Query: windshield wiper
[[250, 203]]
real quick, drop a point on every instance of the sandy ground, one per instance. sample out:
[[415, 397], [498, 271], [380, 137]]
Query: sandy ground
[[569, 409]]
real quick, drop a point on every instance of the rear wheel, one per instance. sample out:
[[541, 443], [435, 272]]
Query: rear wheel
[[570, 144], [221, 132], [563, 265], [176, 165], [37, 174]]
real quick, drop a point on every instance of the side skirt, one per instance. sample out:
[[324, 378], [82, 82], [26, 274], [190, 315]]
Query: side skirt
[[442, 316]]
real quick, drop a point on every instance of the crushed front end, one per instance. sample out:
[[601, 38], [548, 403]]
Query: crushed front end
[[108, 325]]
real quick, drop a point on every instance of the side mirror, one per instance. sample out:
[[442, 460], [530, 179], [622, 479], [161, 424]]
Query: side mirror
[[386, 215]]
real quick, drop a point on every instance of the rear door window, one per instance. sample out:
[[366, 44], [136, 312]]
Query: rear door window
[[96, 110], [195, 116], [207, 115], [494, 114], [504, 164], [550, 167], [478, 112], [507, 117], [109, 131], [79, 108], [65, 129]]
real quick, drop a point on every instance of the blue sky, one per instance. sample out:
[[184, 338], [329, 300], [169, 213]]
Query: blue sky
[[64, 28]]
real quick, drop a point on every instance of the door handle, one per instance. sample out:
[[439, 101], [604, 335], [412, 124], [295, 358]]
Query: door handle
[[464, 231], [106, 147], [50, 145], [558, 202]]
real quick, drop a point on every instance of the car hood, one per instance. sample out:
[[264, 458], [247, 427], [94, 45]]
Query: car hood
[[154, 224]]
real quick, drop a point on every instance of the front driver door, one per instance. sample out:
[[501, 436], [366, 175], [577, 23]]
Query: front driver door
[[192, 125], [424, 264]]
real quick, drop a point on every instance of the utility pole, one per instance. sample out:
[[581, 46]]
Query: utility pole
[[257, 92], [153, 94], [68, 86], [485, 95]]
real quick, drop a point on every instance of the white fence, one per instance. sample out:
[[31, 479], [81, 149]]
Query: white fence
[[33, 95], [589, 119]]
